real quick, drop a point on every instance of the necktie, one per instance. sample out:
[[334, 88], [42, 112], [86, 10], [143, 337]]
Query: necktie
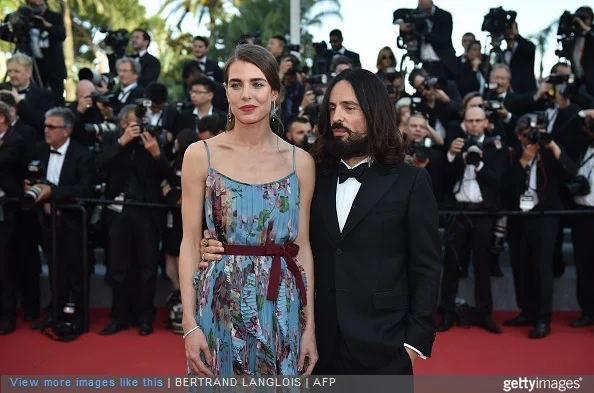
[[53, 151], [345, 173]]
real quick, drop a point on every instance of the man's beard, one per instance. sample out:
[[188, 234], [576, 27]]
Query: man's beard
[[354, 145]]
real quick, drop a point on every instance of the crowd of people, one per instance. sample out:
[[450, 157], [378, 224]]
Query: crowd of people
[[490, 137]]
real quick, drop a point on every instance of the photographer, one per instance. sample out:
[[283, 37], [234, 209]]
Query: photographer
[[86, 111], [129, 90], [41, 37], [200, 47], [437, 51], [583, 226], [472, 73], [473, 173], [162, 115], [276, 46], [150, 66], [202, 92], [519, 56], [297, 131], [582, 97], [32, 101], [12, 150], [67, 171], [533, 182], [582, 58], [339, 50], [293, 91], [135, 165]]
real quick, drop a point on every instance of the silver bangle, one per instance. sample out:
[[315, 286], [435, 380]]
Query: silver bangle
[[190, 331]]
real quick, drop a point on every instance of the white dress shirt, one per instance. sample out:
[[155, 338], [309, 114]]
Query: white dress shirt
[[586, 170], [195, 112], [155, 117], [54, 165], [469, 191], [552, 116], [427, 51], [346, 193], [533, 183], [126, 92], [141, 53], [508, 54]]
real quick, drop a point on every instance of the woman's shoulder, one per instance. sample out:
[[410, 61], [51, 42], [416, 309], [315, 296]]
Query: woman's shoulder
[[304, 162]]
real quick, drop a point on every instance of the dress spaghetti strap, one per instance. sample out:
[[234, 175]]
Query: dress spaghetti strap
[[294, 162], [207, 153]]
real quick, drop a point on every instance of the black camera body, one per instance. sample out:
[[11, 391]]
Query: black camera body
[[410, 41], [100, 129], [567, 25], [435, 82], [539, 121], [142, 106], [567, 84], [421, 149], [496, 20], [107, 99], [117, 41], [36, 173], [19, 23], [472, 147]]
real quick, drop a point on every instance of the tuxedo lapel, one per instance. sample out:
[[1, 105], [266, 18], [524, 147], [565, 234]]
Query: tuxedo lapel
[[66, 166], [44, 156], [375, 183], [326, 199]]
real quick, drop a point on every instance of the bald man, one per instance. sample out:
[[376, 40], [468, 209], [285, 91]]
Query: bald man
[[473, 173], [86, 112]]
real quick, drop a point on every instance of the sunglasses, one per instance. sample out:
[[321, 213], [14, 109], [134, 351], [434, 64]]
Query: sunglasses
[[385, 57]]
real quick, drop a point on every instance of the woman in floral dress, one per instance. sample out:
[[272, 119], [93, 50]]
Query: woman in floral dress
[[250, 313]]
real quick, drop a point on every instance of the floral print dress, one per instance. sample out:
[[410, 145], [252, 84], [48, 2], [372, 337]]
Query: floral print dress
[[247, 333]]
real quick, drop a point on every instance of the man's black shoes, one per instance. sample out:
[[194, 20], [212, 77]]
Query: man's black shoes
[[540, 330], [584, 320], [113, 328], [519, 320]]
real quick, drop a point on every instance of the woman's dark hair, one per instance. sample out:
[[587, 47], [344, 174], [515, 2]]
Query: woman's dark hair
[[185, 138], [385, 144], [261, 58]]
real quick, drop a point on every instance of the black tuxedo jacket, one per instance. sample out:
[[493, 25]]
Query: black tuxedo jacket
[[29, 134], [187, 119], [211, 69], [489, 177], [54, 55], [467, 80], [440, 39], [32, 109], [522, 66], [353, 56], [551, 175], [136, 93], [150, 69], [12, 153], [377, 281]]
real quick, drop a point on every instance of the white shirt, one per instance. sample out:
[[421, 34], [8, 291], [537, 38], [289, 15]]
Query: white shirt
[[586, 170], [533, 183], [509, 115], [508, 54], [439, 128], [126, 92], [141, 53], [54, 165], [552, 116], [155, 118], [427, 51], [346, 193], [195, 112], [469, 191]]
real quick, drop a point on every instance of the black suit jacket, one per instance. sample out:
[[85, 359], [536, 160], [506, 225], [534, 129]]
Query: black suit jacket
[[353, 56], [136, 93], [467, 80], [378, 280], [150, 69], [587, 61], [440, 39], [187, 119], [54, 55], [29, 135], [522, 66], [32, 109], [488, 178], [12, 152]]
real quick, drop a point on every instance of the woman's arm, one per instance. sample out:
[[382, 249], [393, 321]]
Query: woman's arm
[[307, 178], [193, 182]]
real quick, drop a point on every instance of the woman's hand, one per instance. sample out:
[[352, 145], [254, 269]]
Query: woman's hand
[[309, 351], [210, 250], [195, 345]]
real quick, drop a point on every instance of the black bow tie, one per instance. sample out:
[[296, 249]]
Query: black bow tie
[[52, 151], [345, 173]]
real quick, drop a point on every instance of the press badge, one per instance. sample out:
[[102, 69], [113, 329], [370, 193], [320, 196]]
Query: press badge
[[169, 220], [527, 202], [117, 208]]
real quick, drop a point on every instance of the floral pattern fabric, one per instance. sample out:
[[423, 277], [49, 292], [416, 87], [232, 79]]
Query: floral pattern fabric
[[248, 334]]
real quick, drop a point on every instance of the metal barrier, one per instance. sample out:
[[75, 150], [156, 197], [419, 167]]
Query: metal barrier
[[79, 204]]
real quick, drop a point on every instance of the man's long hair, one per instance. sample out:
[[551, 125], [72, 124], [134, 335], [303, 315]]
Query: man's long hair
[[385, 144]]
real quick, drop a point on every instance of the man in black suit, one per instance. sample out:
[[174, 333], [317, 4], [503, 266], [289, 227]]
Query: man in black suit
[[520, 56], [200, 47], [150, 66], [276, 46], [69, 173], [437, 51], [201, 94], [135, 165], [129, 90], [339, 50], [163, 116], [32, 101], [12, 150], [533, 182], [473, 174], [582, 59], [374, 237]]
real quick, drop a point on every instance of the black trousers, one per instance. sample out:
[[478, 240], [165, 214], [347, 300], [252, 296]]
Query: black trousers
[[532, 245], [51, 79], [468, 235], [69, 274], [133, 241], [583, 248], [8, 272], [342, 362], [28, 238]]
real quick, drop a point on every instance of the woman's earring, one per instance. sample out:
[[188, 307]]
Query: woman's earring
[[229, 114], [273, 109]]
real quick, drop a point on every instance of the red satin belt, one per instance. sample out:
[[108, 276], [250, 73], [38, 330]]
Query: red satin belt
[[287, 251]]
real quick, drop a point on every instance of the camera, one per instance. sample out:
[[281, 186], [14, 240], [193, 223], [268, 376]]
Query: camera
[[432, 81], [567, 25], [175, 193], [35, 175], [320, 79], [100, 193], [116, 42], [472, 148], [567, 85], [100, 129], [142, 106], [293, 48], [497, 20], [419, 26], [578, 186], [421, 149], [539, 121], [104, 99], [588, 122], [19, 24]]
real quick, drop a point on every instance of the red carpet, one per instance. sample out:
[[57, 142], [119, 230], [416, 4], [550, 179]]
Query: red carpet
[[460, 351]]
